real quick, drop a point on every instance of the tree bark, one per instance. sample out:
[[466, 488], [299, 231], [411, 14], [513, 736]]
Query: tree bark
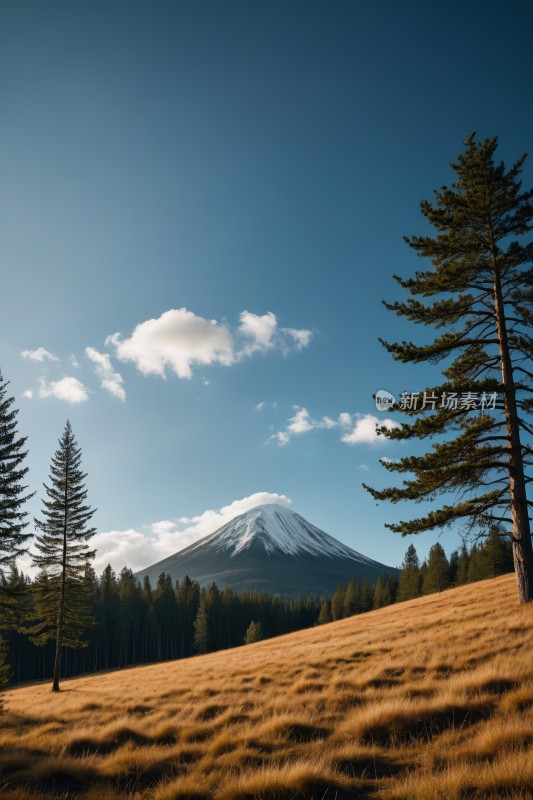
[[521, 538]]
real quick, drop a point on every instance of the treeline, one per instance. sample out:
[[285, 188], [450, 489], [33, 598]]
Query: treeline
[[491, 557], [136, 623]]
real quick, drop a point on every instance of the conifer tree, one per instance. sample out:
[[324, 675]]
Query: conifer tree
[[61, 594], [324, 614], [480, 292], [351, 599], [254, 633], [462, 567], [409, 585], [13, 520], [201, 626], [437, 576], [382, 593]]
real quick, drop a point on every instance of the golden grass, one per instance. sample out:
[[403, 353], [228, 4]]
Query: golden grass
[[426, 700]]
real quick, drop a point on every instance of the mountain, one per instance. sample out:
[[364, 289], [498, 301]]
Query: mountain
[[269, 548]]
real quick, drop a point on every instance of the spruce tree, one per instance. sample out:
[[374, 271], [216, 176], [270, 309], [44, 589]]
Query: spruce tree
[[201, 626], [438, 572], [254, 633], [382, 593], [480, 292], [61, 598], [462, 567], [13, 520], [324, 615], [409, 584]]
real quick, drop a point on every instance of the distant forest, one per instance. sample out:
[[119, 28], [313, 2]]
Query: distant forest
[[141, 624]]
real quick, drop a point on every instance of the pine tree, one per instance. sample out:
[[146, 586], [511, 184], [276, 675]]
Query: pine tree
[[13, 520], [201, 626], [366, 596], [409, 584], [324, 614], [254, 633], [337, 602], [437, 576], [462, 567], [61, 600], [494, 553], [480, 292], [351, 599], [382, 593]]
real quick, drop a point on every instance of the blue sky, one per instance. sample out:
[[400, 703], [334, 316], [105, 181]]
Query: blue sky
[[241, 174]]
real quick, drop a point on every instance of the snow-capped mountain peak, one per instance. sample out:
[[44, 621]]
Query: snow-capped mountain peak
[[277, 529]]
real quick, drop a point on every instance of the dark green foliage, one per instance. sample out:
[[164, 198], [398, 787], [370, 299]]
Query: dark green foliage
[[62, 592], [324, 614], [13, 520], [479, 294], [201, 626], [254, 633], [409, 584], [337, 603], [437, 577], [382, 593]]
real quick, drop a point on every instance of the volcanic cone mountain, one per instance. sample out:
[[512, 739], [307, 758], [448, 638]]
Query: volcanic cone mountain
[[272, 549]]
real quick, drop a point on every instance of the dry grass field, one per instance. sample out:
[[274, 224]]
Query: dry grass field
[[430, 699]]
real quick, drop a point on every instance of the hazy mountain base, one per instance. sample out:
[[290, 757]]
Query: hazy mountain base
[[432, 698]]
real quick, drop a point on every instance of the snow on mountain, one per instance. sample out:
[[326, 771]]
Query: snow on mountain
[[277, 529]]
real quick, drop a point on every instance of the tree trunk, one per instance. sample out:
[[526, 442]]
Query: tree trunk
[[521, 539], [61, 614]]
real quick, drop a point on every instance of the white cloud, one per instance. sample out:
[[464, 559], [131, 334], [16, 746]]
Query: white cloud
[[111, 381], [28, 393], [364, 467], [301, 423], [69, 389], [358, 428], [262, 333], [40, 354], [260, 330], [178, 339], [365, 429], [301, 337], [260, 406], [387, 460], [74, 361], [137, 550]]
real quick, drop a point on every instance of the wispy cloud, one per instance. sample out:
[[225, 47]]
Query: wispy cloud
[[40, 354], [355, 428], [111, 381]]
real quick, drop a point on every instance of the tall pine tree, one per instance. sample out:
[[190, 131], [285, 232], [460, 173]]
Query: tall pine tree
[[61, 600], [409, 585], [13, 520], [480, 292]]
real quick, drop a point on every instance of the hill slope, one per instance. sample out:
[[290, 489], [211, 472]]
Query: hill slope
[[272, 549], [427, 699]]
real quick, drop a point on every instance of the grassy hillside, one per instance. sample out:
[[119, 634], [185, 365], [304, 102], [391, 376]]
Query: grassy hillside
[[427, 699]]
